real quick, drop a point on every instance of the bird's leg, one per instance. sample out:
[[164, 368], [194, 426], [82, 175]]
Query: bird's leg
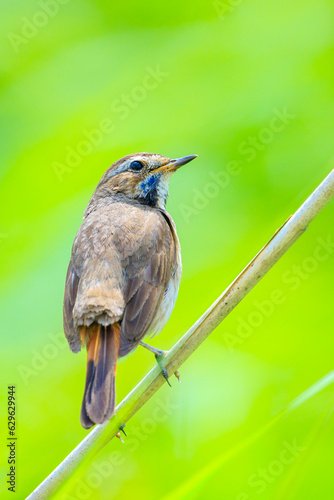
[[156, 352], [159, 354]]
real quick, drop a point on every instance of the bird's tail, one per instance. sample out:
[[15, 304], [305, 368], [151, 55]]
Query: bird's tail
[[102, 351]]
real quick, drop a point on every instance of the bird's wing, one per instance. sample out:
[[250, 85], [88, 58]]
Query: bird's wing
[[148, 274], [71, 289]]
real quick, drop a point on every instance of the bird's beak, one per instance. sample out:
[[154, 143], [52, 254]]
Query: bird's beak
[[173, 165]]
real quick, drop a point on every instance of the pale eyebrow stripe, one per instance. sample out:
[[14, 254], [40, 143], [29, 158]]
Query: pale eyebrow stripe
[[117, 171], [122, 168]]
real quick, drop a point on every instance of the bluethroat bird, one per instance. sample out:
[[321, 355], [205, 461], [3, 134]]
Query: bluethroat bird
[[124, 273]]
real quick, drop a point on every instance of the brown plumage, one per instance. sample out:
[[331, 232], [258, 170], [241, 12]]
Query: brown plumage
[[124, 273]]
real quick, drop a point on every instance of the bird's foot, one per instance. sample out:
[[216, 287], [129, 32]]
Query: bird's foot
[[159, 358], [177, 375], [159, 354], [118, 435]]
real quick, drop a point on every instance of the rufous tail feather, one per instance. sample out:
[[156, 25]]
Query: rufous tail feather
[[98, 403]]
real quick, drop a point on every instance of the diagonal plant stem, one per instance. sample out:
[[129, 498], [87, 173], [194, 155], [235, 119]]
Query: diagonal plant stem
[[228, 300]]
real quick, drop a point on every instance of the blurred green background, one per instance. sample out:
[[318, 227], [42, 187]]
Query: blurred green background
[[248, 86]]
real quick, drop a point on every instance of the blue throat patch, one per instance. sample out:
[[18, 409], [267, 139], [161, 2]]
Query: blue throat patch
[[149, 189]]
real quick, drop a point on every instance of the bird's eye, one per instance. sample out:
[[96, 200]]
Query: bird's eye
[[136, 166]]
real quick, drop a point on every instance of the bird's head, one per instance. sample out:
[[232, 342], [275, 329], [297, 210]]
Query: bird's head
[[143, 177]]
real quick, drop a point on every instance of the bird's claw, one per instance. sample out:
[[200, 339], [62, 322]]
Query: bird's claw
[[118, 435], [177, 375], [164, 372], [122, 429], [165, 375], [159, 355]]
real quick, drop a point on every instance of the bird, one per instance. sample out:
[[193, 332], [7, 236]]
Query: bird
[[124, 273]]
